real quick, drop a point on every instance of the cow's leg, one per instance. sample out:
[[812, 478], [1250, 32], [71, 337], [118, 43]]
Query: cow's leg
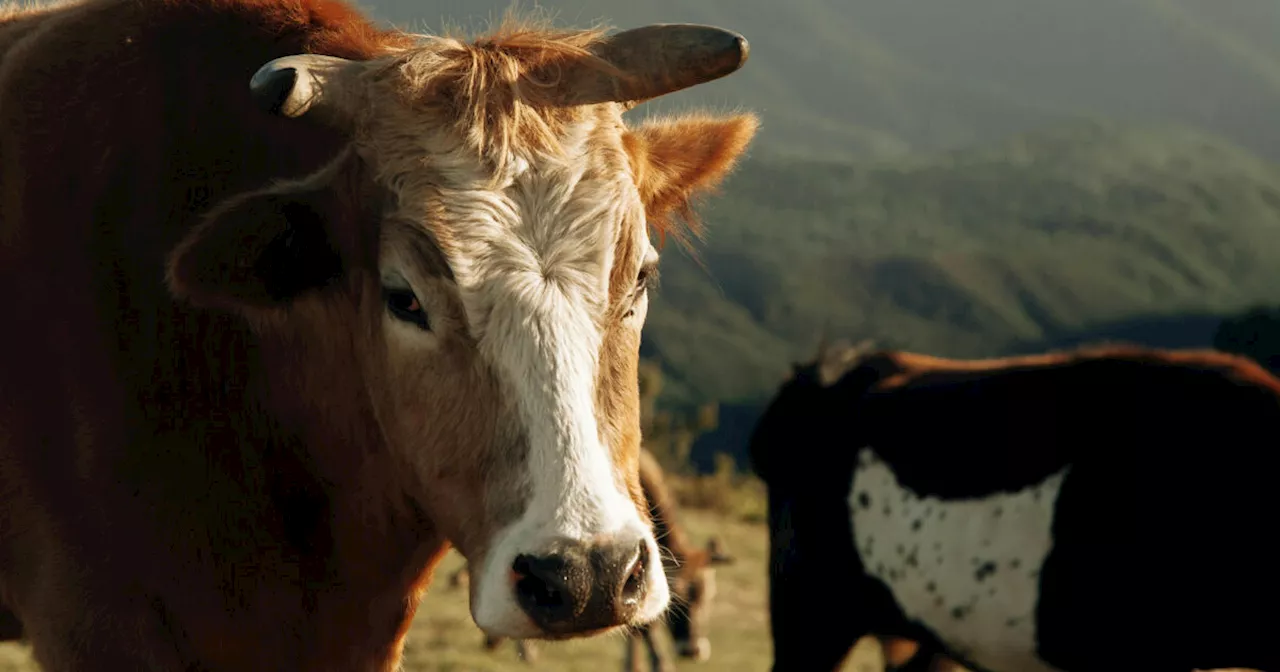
[[492, 642], [657, 661], [942, 663], [633, 660], [898, 651], [526, 650], [921, 662], [10, 626], [906, 655]]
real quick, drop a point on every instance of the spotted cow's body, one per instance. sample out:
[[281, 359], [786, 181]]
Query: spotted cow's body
[[970, 568], [1097, 509], [294, 302]]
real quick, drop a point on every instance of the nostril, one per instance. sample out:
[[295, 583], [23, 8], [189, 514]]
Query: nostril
[[633, 586], [537, 585], [582, 587]]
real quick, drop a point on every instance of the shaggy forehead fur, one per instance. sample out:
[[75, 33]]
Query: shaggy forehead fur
[[467, 137], [498, 90]]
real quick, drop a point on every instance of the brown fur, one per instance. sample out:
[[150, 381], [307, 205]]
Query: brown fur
[[210, 484], [672, 165], [904, 369], [103, 392]]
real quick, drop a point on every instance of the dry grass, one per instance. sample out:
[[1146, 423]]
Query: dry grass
[[728, 493]]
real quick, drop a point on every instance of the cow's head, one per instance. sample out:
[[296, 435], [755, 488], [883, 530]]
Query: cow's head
[[803, 447], [809, 414], [693, 588], [481, 252]]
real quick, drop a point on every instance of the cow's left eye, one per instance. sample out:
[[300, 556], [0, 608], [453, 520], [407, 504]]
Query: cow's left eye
[[403, 304]]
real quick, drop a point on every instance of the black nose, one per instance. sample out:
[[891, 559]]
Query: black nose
[[578, 588]]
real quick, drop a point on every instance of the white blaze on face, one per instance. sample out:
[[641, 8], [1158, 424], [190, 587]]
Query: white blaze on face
[[968, 569], [533, 264]]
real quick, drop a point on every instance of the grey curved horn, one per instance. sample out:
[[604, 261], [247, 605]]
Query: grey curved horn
[[655, 60], [292, 85]]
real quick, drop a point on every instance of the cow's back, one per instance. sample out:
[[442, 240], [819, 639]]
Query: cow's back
[[1168, 523]]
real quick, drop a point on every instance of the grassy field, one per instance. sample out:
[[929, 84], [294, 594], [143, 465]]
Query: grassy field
[[444, 639]]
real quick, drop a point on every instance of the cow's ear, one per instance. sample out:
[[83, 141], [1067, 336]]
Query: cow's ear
[[260, 250], [676, 160]]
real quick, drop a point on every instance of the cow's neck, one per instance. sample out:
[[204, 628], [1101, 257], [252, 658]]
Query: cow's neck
[[383, 574], [383, 547], [342, 543]]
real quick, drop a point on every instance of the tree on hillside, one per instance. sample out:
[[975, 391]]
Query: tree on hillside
[[1255, 334], [670, 436]]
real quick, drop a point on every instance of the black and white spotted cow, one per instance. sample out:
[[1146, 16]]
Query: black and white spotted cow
[[1107, 508]]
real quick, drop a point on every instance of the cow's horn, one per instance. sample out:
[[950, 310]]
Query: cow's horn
[[653, 60], [292, 85]]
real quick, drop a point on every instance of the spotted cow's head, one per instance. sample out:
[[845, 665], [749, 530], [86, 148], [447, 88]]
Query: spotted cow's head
[[809, 415], [480, 252], [803, 447]]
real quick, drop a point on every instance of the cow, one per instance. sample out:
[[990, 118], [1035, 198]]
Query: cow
[[1097, 508], [691, 573], [295, 302]]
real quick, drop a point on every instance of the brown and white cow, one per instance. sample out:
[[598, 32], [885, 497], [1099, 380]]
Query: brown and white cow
[[293, 302], [691, 572], [1103, 508]]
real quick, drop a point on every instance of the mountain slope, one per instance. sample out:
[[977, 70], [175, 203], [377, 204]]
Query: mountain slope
[[841, 78], [966, 253]]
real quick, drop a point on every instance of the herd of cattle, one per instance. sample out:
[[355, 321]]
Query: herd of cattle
[[296, 303]]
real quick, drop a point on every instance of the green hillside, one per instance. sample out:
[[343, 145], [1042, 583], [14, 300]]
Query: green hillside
[[966, 253], [840, 78]]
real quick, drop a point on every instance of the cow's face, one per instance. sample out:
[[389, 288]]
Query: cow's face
[[481, 253], [693, 590]]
